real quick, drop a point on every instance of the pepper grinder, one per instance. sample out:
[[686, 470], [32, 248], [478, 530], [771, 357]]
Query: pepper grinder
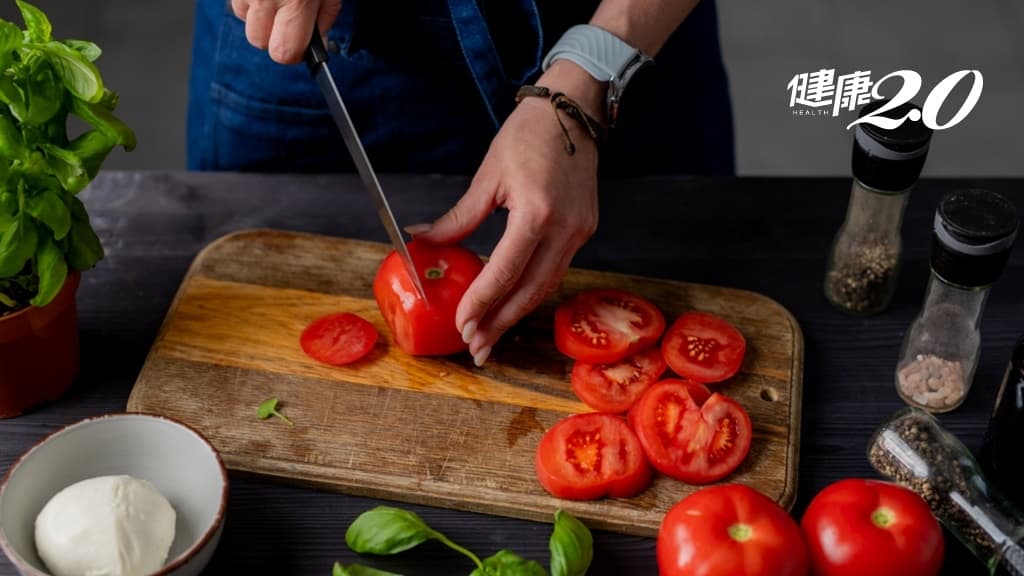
[[972, 237], [912, 449], [864, 260]]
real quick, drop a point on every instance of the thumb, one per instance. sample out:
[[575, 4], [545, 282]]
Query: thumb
[[329, 10], [461, 219]]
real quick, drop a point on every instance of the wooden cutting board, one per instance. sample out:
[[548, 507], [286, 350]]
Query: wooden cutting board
[[434, 431]]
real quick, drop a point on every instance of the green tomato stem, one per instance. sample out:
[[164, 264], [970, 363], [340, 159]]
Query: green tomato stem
[[741, 532], [282, 417], [883, 517]]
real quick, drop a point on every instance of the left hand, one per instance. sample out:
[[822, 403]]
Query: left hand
[[551, 199]]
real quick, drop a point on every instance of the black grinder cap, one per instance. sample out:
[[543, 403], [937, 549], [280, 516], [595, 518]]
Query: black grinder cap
[[890, 160], [973, 236]]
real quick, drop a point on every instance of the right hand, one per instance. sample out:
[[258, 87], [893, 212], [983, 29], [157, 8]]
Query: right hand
[[283, 27]]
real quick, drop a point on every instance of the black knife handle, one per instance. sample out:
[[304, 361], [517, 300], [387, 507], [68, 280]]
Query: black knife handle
[[316, 53]]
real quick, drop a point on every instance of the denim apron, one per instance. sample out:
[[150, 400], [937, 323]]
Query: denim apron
[[428, 83]]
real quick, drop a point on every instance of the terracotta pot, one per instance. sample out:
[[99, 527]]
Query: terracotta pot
[[39, 352]]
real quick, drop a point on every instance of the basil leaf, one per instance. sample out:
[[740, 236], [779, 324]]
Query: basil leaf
[[109, 99], [36, 23], [68, 168], [357, 570], [104, 121], [92, 148], [52, 271], [14, 97], [43, 97], [506, 563], [10, 36], [17, 244], [12, 143], [6, 218], [8, 203], [48, 208], [572, 546], [77, 72], [84, 247], [88, 49], [387, 530]]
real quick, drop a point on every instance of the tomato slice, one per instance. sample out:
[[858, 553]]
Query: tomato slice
[[338, 339], [704, 348], [615, 387], [690, 434], [606, 326], [589, 456]]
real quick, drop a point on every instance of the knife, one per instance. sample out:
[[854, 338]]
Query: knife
[[316, 61]]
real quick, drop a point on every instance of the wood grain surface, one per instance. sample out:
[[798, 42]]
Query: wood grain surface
[[434, 431]]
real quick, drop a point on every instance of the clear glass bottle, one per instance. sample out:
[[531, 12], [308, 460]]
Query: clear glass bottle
[[972, 238], [864, 259], [913, 450]]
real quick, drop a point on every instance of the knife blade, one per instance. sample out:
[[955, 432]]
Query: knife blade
[[316, 60]]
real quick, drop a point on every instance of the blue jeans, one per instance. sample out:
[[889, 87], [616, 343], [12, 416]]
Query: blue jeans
[[428, 84]]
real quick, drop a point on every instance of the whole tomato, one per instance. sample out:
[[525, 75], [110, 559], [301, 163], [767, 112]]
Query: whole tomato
[[730, 530], [857, 526], [426, 328]]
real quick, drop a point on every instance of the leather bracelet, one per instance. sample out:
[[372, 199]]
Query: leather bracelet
[[560, 101]]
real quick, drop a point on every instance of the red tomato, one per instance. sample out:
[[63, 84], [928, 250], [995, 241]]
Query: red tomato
[[704, 348], [605, 326], [855, 527], [426, 328], [689, 433], [730, 530], [338, 338], [588, 456], [615, 387]]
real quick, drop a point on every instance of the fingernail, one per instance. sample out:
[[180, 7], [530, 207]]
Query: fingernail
[[481, 356], [468, 331], [415, 229]]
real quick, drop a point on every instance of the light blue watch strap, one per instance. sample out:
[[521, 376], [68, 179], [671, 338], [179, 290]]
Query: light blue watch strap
[[602, 54]]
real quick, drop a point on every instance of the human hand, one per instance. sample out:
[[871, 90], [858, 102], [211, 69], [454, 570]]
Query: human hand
[[283, 27], [551, 199]]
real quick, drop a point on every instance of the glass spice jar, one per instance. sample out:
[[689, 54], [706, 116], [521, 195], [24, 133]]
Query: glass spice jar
[[972, 238], [864, 260], [913, 450]]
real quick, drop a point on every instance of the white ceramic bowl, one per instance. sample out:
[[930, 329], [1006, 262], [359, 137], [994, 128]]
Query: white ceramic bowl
[[179, 462]]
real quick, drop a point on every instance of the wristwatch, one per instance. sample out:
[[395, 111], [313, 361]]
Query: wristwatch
[[604, 56]]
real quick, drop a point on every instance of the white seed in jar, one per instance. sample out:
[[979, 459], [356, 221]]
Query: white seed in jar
[[932, 381]]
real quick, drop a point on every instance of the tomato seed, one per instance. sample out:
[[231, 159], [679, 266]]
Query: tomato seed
[[583, 450], [700, 348]]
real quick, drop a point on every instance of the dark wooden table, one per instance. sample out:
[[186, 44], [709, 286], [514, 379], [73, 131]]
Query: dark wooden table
[[767, 235]]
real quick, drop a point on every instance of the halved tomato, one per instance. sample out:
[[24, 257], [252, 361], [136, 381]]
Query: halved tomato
[[689, 433], [339, 338], [615, 387], [606, 325], [704, 348], [588, 456]]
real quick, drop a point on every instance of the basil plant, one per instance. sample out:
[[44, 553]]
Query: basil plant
[[44, 227]]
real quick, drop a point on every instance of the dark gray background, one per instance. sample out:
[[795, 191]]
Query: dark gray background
[[147, 50]]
